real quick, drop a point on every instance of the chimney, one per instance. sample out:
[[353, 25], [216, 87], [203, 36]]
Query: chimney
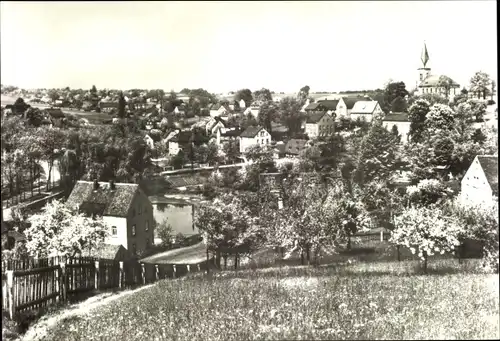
[[112, 185], [96, 185]]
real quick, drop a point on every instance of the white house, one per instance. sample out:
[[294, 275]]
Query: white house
[[480, 183], [401, 121], [254, 109], [123, 206], [345, 105], [242, 104], [319, 124], [367, 110], [252, 136], [218, 110]]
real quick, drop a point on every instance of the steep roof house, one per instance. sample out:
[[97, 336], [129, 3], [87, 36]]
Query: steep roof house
[[319, 124], [367, 110], [252, 136], [480, 183], [124, 206], [180, 141], [345, 105]]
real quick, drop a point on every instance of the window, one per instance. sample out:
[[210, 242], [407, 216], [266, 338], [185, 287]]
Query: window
[[147, 225], [133, 230], [114, 232]]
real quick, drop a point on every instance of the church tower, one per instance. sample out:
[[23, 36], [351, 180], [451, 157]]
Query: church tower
[[424, 71]]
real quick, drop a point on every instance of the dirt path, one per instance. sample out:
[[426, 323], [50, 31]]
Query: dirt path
[[39, 329]]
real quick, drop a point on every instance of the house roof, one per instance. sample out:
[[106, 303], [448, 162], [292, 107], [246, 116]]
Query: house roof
[[103, 104], [433, 80], [312, 106], [103, 201], [230, 132], [315, 117], [350, 101], [364, 107], [329, 104], [295, 146], [251, 131], [397, 117], [489, 164]]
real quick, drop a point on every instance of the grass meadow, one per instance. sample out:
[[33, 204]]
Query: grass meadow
[[369, 300]]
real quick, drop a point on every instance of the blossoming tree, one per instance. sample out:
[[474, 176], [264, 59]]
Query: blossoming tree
[[60, 230], [425, 231]]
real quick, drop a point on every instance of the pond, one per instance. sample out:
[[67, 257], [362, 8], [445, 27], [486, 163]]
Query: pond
[[178, 213]]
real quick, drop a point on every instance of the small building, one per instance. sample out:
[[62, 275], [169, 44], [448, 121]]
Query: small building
[[294, 147], [366, 110], [107, 107], [480, 183], [226, 135], [402, 123], [123, 206], [345, 105], [218, 110], [319, 124], [252, 136]]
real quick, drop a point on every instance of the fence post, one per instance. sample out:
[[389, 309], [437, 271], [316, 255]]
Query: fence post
[[10, 292], [97, 277], [188, 268], [382, 235], [120, 276], [143, 273], [199, 269], [157, 268], [62, 281], [58, 276], [175, 270]]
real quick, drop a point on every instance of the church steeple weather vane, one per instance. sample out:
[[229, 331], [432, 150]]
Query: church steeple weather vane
[[425, 55]]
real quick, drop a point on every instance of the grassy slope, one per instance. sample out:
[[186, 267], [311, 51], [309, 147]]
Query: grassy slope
[[387, 300]]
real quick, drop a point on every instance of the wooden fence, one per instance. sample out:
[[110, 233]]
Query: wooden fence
[[33, 284]]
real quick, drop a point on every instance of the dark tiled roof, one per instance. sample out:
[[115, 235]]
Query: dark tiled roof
[[295, 146], [312, 106], [251, 131], [231, 133], [350, 101], [109, 202], [397, 117], [490, 168], [329, 104], [108, 105], [315, 117]]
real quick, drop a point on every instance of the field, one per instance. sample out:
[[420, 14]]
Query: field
[[379, 300]]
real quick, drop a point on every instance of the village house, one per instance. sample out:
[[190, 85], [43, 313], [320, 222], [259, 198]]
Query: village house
[[345, 105], [294, 146], [242, 104], [319, 124], [434, 84], [123, 206], [180, 141], [402, 123], [366, 110], [480, 183], [252, 136], [226, 134], [107, 107], [253, 109], [54, 115], [218, 110], [214, 124]]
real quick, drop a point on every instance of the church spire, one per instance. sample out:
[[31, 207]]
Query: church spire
[[425, 55]]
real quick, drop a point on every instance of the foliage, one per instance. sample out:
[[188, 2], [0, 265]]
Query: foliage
[[480, 84], [165, 232], [440, 117], [427, 192], [445, 83], [303, 94], [395, 133], [399, 105], [268, 113], [245, 95], [263, 95], [426, 231], [394, 90], [377, 157], [433, 98], [290, 115], [61, 230]]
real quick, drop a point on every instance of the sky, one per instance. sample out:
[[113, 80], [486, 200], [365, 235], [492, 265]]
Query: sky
[[227, 46]]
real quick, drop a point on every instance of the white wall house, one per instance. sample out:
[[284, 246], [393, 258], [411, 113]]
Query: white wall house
[[480, 183], [367, 110], [252, 136], [319, 124], [401, 121], [345, 106], [218, 110]]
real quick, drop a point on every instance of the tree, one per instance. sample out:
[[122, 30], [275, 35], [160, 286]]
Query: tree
[[50, 140], [268, 113], [478, 136], [121, 106], [377, 158], [478, 110], [263, 95], [445, 83], [178, 160], [246, 95], [434, 99], [425, 231], [303, 94], [60, 230], [290, 115], [426, 193], [480, 84], [231, 150], [93, 90], [165, 232], [394, 90], [53, 95], [395, 133], [440, 117], [493, 88], [399, 105]]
